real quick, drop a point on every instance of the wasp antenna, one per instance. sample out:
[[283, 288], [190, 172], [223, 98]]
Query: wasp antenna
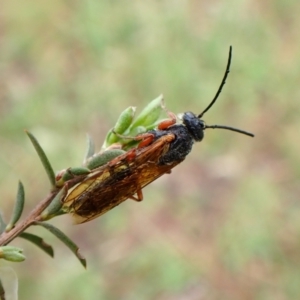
[[230, 128], [221, 85]]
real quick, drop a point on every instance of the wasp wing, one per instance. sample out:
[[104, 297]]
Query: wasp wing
[[118, 180]]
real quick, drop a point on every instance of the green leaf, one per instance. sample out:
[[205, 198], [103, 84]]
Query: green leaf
[[64, 175], [18, 208], [103, 158], [54, 207], [2, 224], [125, 120], [68, 242], [12, 253], [123, 123], [150, 114], [43, 158], [110, 139], [38, 241]]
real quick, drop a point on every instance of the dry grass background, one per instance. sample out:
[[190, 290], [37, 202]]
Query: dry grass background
[[225, 224]]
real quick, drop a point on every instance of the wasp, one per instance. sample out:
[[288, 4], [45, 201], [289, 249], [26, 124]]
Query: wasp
[[156, 154]]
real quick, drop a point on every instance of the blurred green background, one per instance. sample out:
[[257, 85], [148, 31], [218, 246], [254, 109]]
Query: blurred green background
[[225, 224]]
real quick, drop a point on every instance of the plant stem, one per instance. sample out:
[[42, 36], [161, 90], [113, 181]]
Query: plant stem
[[7, 237]]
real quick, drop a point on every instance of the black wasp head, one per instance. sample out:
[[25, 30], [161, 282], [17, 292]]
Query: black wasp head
[[196, 126]]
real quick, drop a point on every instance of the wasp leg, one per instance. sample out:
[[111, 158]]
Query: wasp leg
[[139, 197], [145, 138], [167, 123]]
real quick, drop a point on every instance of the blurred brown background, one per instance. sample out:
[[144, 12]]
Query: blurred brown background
[[225, 224]]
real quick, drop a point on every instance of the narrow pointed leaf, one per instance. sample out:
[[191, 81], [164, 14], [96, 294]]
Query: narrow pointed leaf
[[68, 242], [123, 123], [18, 209], [43, 158], [109, 139], [2, 224], [103, 158], [67, 174], [90, 148], [38, 241], [150, 114], [125, 119], [56, 204]]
